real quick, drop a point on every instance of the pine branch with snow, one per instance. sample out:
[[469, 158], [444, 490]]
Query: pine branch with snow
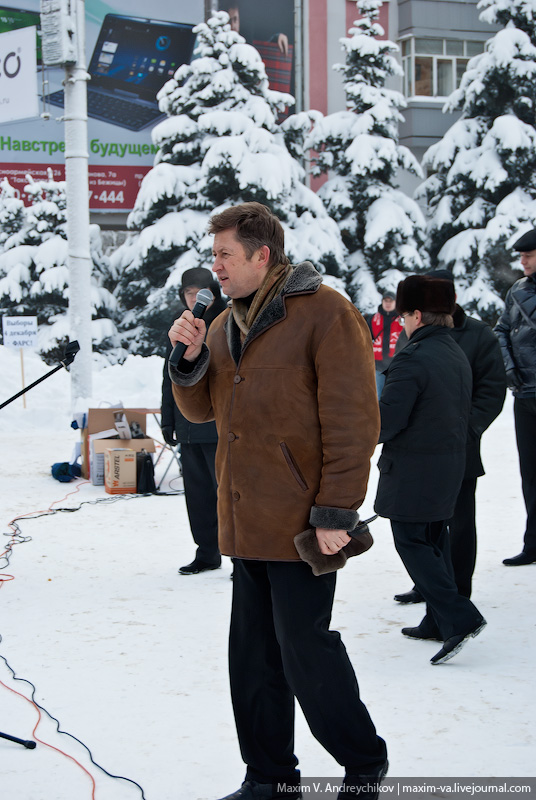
[[383, 229], [34, 276], [221, 144], [12, 215], [481, 194]]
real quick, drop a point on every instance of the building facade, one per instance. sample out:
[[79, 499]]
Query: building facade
[[436, 40]]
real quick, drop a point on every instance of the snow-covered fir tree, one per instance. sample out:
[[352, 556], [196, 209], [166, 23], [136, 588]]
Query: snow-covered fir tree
[[34, 276], [11, 212], [220, 145], [382, 228], [481, 194]]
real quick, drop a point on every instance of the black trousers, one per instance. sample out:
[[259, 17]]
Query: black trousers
[[525, 422], [200, 491], [280, 647], [424, 549], [462, 530]]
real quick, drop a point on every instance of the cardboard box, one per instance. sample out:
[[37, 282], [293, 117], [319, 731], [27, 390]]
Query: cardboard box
[[96, 461], [100, 420], [96, 456], [98, 448], [120, 470]]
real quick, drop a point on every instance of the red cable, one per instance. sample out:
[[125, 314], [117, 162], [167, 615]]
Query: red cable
[[22, 516], [46, 744], [5, 578]]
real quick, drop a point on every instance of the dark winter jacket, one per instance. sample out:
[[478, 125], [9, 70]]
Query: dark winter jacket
[[385, 328], [516, 331], [297, 416], [483, 352], [187, 432], [424, 407]]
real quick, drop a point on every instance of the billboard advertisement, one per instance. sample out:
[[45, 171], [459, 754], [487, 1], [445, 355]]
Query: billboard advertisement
[[18, 84], [269, 27], [129, 57]]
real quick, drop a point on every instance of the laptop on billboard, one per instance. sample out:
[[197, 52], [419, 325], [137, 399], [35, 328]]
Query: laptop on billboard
[[132, 60]]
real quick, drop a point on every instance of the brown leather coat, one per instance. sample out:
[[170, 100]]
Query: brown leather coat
[[297, 417]]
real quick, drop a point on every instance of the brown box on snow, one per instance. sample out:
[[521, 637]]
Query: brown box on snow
[[120, 470], [103, 419]]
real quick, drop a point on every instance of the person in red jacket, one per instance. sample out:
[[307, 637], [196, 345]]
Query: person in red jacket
[[385, 327]]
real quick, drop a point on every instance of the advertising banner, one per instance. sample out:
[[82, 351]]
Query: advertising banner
[[18, 82], [269, 27], [129, 58]]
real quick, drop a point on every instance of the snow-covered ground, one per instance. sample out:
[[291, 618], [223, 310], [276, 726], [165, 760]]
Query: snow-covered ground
[[131, 657]]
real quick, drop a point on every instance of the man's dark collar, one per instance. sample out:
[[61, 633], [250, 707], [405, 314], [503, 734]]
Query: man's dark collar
[[426, 330]]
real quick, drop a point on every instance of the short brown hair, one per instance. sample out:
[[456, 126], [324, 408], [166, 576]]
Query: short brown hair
[[255, 226]]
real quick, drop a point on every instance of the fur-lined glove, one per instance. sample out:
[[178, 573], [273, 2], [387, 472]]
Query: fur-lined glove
[[309, 551]]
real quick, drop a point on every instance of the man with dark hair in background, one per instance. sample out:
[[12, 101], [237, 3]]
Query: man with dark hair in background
[[287, 373], [198, 442]]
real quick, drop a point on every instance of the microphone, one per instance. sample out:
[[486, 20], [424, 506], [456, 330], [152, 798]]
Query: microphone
[[28, 744], [203, 299]]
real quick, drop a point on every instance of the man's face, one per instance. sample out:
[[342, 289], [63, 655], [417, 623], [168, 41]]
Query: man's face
[[528, 262], [410, 322], [190, 294], [234, 18], [239, 276], [388, 304]]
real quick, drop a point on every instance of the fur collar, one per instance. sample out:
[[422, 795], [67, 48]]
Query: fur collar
[[304, 279]]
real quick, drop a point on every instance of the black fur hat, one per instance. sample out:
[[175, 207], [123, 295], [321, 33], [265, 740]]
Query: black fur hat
[[423, 293], [441, 273], [200, 277]]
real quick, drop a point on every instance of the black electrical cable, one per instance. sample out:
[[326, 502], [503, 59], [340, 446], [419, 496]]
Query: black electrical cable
[[66, 733], [16, 537]]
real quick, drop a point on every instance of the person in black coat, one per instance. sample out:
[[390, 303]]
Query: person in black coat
[[516, 331], [483, 352], [198, 442], [425, 407]]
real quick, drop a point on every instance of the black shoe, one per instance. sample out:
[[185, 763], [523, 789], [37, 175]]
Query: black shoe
[[252, 790], [418, 633], [413, 596], [196, 567], [453, 645], [520, 561], [365, 787]]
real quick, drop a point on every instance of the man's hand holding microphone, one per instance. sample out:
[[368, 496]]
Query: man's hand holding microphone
[[188, 332]]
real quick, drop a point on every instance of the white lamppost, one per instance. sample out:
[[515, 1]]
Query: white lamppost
[[63, 44]]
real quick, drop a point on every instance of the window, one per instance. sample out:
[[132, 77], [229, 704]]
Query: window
[[434, 67]]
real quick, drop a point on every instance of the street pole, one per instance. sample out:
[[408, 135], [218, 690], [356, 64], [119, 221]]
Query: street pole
[[211, 6], [77, 194]]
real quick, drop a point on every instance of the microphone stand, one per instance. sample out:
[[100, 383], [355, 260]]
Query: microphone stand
[[70, 352]]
